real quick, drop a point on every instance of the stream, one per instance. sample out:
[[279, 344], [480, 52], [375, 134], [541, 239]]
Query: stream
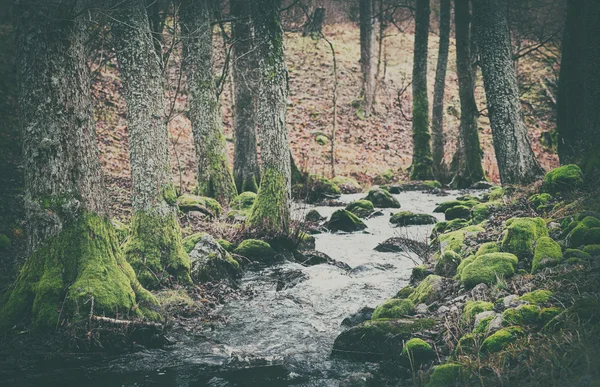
[[283, 335]]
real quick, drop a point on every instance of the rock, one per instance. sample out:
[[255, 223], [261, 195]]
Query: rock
[[237, 216], [394, 308], [417, 352], [208, 206], [457, 212], [547, 253], [443, 310], [496, 323], [386, 177], [382, 199], [243, 201], [321, 139], [376, 213], [313, 216], [360, 208], [479, 291], [487, 268], [447, 264], [512, 301], [189, 242], [473, 308], [541, 202], [286, 278], [357, 380], [563, 179], [449, 374], [347, 185], [419, 273], [481, 212], [483, 315], [426, 185], [453, 225], [210, 262], [428, 291], [256, 250], [401, 244], [343, 220], [316, 189], [521, 315], [445, 206], [592, 250], [456, 240], [407, 218], [501, 339], [364, 314], [306, 241], [313, 257], [482, 185], [522, 234], [395, 189]]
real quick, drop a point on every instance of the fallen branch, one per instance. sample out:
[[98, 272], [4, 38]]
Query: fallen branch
[[128, 323]]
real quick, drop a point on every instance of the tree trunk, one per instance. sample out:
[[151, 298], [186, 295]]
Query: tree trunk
[[74, 253], [245, 81], [315, 24], [467, 167], [367, 44], [271, 210], [421, 162], [154, 247], [214, 175], [516, 161], [437, 117], [579, 89]]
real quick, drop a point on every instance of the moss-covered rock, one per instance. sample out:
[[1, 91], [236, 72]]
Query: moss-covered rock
[[496, 193], [547, 253], [455, 240], [405, 292], [576, 253], [321, 139], [210, 262], [361, 208], [467, 344], [445, 206], [537, 297], [313, 216], [189, 242], [501, 339], [428, 291], [457, 212], [347, 185], [447, 263], [203, 204], [472, 308], [548, 314], [418, 273], [237, 216], [407, 218], [394, 308], [540, 202], [521, 234], [453, 225], [563, 179], [382, 199], [417, 352], [378, 339], [386, 177], [592, 250], [243, 201], [488, 247], [445, 375], [342, 220], [318, 188], [256, 250], [582, 234], [226, 245], [482, 211], [521, 315], [487, 268], [306, 241]]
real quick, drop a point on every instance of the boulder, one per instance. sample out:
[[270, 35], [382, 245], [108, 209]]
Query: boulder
[[407, 218], [210, 262], [256, 250], [521, 234], [361, 208], [563, 179], [382, 199], [208, 206], [347, 185], [343, 220], [429, 290], [547, 254], [394, 308], [487, 268], [313, 216], [243, 201]]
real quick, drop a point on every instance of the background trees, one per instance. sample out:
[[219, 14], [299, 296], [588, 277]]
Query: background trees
[[367, 46]]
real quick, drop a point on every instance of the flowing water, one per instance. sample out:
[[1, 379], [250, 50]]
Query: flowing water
[[284, 334]]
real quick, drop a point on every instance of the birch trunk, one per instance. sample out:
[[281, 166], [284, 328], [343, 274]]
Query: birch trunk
[[214, 174], [154, 247], [367, 44], [516, 161], [271, 210], [74, 253], [246, 172]]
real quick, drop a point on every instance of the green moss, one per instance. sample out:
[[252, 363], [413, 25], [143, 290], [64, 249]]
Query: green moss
[[407, 218], [237, 215], [360, 208], [540, 202], [590, 222], [256, 250], [342, 220], [449, 374], [466, 344], [243, 201], [306, 241], [189, 242], [121, 229], [271, 212], [575, 253], [547, 253], [405, 292], [83, 262], [501, 340], [226, 245], [447, 263], [472, 308], [592, 250], [347, 185], [394, 308], [464, 263], [319, 188], [217, 267], [488, 247], [417, 352], [418, 273], [521, 235], [453, 225], [445, 206], [496, 193], [540, 296], [428, 290], [432, 184], [313, 216], [386, 177], [458, 212], [487, 268], [199, 203], [583, 235], [522, 315], [548, 314], [454, 240], [382, 199], [321, 140], [563, 179], [4, 242], [482, 211]]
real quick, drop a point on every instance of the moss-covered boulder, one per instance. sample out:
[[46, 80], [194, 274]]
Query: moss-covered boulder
[[407, 218], [419, 273], [378, 339], [453, 225], [455, 240], [361, 208], [382, 199], [210, 262], [347, 185], [189, 242], [313, 216], [316, 189], [447, 263], [306, 241], [547, 253], [256, 250], [546, 315], [445, 206], [417, 352], [537, 297], [584, 232], [540, 202], [394, 308], [428, 291], [501, 339], [577, 254], [487, 268], [343, 220], [521, 234], [563, 179], [488, 247], [496, 193], [237, 216], [457, 212], [481, 212], [321, 139], [385, 177], [226, 245], [473, 308], [521, 315], [592, 250], [243, 201], [405, 292], [446, 375], [208, 206]]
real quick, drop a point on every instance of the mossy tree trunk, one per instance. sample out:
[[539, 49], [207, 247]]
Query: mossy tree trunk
[[516, 161], [466, 164], [440, 169], [422, 162], [246, 171], [214, 174], [579, 89], [367, 45], [154, 247], [271, 210], [75, 267]]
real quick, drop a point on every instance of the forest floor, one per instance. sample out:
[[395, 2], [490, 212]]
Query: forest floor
[[365, 147]]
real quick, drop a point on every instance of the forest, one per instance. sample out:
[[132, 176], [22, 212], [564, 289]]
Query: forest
[[335, 193]]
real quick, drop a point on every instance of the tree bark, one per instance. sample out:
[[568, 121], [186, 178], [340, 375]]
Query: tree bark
[[367, 44], [271, 210], [467, 167], [579, 89], [440, 169], [314, 26], [154, 248], [74, 253], [516, 161], [421, 168], [245, 81], [214, 175]]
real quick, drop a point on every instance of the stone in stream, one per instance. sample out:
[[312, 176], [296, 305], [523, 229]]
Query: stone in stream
[[382, 199], [364, 314], [401, 244], [407, 218], [313, 257], [343, 220], [210, 262]]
